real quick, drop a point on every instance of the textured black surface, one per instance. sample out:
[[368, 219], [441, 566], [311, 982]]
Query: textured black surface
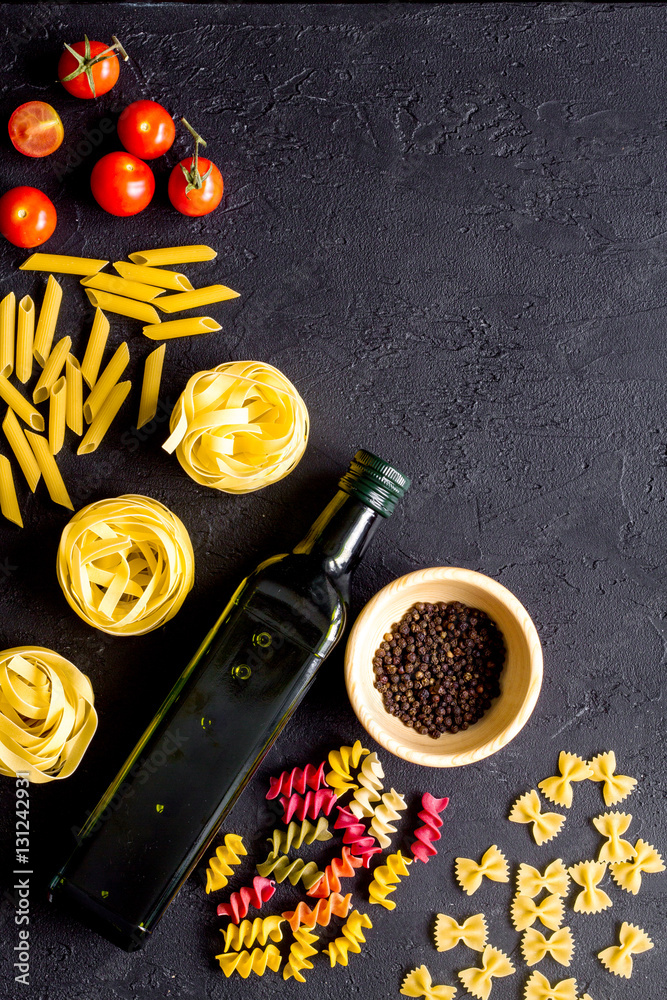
[[446, 223]]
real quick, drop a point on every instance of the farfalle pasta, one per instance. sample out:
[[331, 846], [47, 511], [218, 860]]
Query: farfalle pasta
[[47, 718], [611, 825], [528, 809], [559, 789], [469, 873], [245, 962], [385, 879], [386, 812], [125, 565], [591, 899], [632, 941], [472, 932], [297, 870], [297, 834], [334, 905], [418, 983], [535, 946], [220, 866], [260, 930], [615, 787], [350, 940], [530, 881], [341, 762], [495, 964], [628, 874], [422, 847], [362, 803], [299, 955], [525, 911], [238, 427], [538, 987]]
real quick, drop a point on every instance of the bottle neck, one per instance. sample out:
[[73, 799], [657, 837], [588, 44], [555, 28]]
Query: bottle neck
[[340, 535]]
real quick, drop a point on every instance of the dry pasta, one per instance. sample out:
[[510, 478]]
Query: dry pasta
[[57, 720], [559, 789], [632, 941], [611, 825], [22, 450], [7, 334], [350, 940], [280, 867], [106, 382], [591, 899], [97, 341], [52, 369], [8, 500], [125, 564], [528, 809], [299, 954], [472, 932], [615, 787], [418, 983], [493, 866], [103, 419], [47, 466], [385, 879], [154, 276], [220, 866], [173, 255], [525, 911], [57, 412], [150, 387], [48, 317], [62, 264], [535, 946], [479, 981], [386, 813], [181, 328], [370, 777], [122, 306], [196, 299], [628, 874], [74, 396], [121, 286], [261, 929], [238, 427], [538, 987], [530, 881], [20, 405], [341, 762], [245, 962], [25, 334]]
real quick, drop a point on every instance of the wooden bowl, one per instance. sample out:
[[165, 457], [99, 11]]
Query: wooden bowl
[[520, 680]]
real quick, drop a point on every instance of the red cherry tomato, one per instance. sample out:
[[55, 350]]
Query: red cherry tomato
[[122, 184], [86, 71], [35, 129], [146, 129], [27, 217], [197, 201]]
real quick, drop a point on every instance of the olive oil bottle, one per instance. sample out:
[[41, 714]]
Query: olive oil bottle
[[153, 823]]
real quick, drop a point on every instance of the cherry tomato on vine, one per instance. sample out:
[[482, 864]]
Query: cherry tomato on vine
[[35, 129], [122, 184], [27, 216], [88, 69], [146, 129], [190, 191]]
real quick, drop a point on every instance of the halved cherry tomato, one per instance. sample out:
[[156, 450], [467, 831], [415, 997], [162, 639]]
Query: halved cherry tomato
[[146, 129], [88, 69], [190, 191], [122, 184], [27, 216], [35, 129]]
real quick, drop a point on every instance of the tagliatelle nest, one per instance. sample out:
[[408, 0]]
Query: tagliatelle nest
[[125, 564], [47, 717], [238, 427]]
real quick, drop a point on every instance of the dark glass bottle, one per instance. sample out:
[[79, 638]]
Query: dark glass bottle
[[153, 823]]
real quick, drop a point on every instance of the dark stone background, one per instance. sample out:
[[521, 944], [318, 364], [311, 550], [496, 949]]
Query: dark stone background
[[446, 223]]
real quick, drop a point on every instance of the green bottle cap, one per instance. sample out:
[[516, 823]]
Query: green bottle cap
[[375, 482]]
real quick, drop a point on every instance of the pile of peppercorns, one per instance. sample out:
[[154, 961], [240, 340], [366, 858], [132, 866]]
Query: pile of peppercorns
[[438, 669]]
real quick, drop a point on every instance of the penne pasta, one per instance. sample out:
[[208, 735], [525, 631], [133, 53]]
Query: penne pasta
[[97, 341], [173, 255], [7, 334], [20, 405], [49, 469], [122, 306], [18, 442], [106, 382], [195, 299], [154, 276], [74, 395], [48, 317], [25, 333], [52, 369], [181, 328], [150, 388], [62, 264], [122, 286], [57, 410], [104, 418], [8, 500]]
